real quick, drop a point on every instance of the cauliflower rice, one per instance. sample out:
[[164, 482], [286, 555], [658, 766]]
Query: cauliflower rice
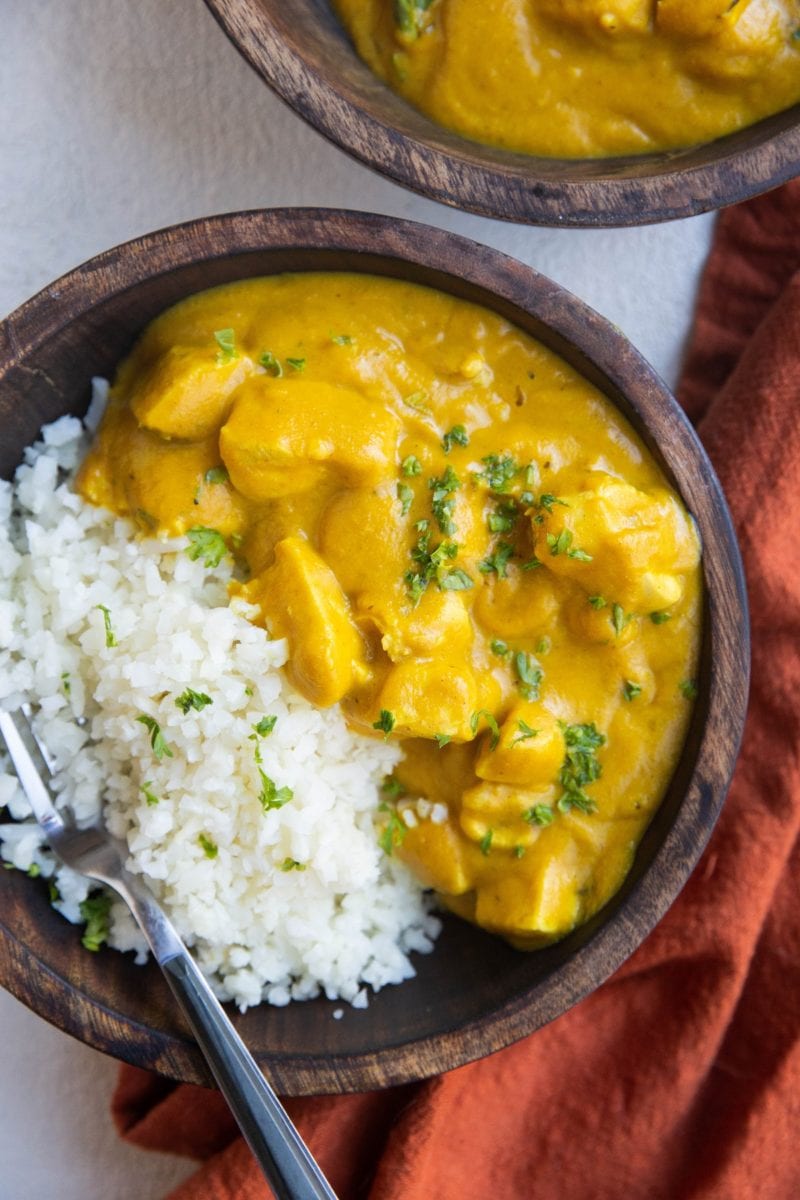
[[278, 903]]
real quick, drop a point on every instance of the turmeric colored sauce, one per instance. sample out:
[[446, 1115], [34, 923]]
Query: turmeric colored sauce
[[584, 78], [464, 543]]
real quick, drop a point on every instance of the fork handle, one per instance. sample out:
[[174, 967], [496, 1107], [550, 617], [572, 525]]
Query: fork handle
[[273, 1139]]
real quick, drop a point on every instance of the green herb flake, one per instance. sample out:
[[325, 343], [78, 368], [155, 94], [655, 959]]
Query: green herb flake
[[659, 618], [688, 689], [157, 740], [405, 495], [443, 500], [580, 766], [411, 466], [497, 561], [598, 602], [111, 637], [547, 500], [297, 364], [393, 832], [192, 699], [342, 339], [491, 721], [271, 364], [631, 690], [265, 726], [417, 401], [65, 682], [207, 544], [485, 843], [540, 814], [529, 674], [504, 518], [291, 864], [216, 475], [618, 618], [499, 648], [544, 645], [271, 796], [525, 732], [151, 798], [392, 786], [409, 16], [519, 852], [95, 912], [455, 581], [531, 564], [210, 849], [579, 555], [442, 740], [500, 470], [34, 871], [385, 723], [226, 340], [457, 436], [559, 543]]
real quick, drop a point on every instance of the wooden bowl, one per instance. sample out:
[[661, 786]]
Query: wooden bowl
[[302, 51], [474, 994]]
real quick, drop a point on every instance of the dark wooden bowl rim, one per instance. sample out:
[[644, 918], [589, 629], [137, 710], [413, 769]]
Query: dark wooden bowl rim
[[489, 995], [302, 52]]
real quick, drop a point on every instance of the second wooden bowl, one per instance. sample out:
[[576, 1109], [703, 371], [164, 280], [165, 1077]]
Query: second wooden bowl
[[474, 994]]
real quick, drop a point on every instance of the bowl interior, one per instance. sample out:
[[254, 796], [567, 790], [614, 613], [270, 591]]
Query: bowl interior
[[301, 50], [474, 994]]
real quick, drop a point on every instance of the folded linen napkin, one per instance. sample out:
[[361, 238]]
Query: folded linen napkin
[[679, 1079]]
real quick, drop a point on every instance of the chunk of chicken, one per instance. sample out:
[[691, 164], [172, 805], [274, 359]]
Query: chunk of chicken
[[427, 697], [186, 393], [520, 757]]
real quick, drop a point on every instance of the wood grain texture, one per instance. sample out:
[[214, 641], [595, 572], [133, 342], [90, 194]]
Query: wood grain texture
[[475, 994], [303, 53]]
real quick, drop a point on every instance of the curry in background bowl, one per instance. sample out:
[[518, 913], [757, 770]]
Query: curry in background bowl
[[475, 993], [585, 78]]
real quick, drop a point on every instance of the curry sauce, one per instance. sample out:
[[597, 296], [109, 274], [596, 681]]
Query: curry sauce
[[464, 544], [584, 78]]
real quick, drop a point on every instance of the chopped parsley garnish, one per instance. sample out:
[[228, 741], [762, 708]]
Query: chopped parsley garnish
[[207, 544], [405, 495], [210, 849], [192, 699], [95, 912], [474, 721], [531, 564], [519, 852], [111, 637], [291, 864], [34, 871], [547, 500], [411, 466], [157, 740], [540, 814], [544, 645], [504, 517], [529, 674], [385, 723], [394, 831], [409, 16], [500, 470], [226, 340], [457, 436], [151, 798], [658, 618], [579, 555], [688, 688], [499, 648], [271, 796], [485, 843], [598, 602], [65, 683], [498, 560], [618, 618], [580, 766], [559, 543], [297, 364], [631, 690], [443, 501], [271, 364], [455, 581], [417, 401], [432, 564], [525, 732], [216, 475], [341, 339], [393, 787], [442, 739], [265, 726]]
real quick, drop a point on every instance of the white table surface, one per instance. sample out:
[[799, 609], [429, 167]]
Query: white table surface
[[122, 116]]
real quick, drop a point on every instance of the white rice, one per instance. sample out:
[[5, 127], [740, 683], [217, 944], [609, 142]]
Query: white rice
[[345, 922]]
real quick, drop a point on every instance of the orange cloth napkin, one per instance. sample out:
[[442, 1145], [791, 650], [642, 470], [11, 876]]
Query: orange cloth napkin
[[679, 1079]]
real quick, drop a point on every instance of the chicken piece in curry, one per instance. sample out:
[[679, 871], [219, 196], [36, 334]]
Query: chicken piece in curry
[[465, 545]]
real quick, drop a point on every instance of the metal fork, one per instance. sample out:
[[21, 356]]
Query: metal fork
[[277, 1146]]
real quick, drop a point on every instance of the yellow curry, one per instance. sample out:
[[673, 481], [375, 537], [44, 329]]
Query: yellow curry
[[584, 78], [465, 545]]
